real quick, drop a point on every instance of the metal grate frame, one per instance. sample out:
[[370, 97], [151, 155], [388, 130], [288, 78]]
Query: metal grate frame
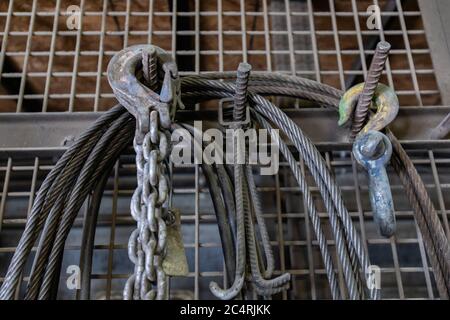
[[44, 67]]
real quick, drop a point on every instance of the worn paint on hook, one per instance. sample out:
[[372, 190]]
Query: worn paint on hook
[[385, 100]]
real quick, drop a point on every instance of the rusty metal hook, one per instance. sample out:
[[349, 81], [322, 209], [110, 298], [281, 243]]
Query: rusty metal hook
[[134, 95], [384, 99]]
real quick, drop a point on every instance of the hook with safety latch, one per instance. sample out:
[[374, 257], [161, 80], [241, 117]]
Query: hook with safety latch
[[372, 150], [138, 99]]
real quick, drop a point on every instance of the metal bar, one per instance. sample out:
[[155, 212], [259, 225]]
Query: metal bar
[[112, 234], [314, 41], [51, 57], [100, 56], [424, 260], [220, 34], [5, 191], [398, 276], [267, 36], [436, 23], [33, 185], [27, 55], [337, 45], [57, 129], [76, 59], [388, 68], [5, 36], [408, 53], [280, 229], [243, 31], [439, 193]]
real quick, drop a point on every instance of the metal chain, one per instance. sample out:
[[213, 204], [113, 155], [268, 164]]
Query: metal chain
[[153, 111], [147, 244]]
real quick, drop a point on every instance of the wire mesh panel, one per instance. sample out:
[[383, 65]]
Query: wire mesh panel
[[49, 63], [405, 271]]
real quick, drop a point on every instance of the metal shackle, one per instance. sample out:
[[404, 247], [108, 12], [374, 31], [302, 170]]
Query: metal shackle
[[373, 151]]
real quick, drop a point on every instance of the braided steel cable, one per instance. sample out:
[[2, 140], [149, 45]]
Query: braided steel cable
[[49, 198], [436, 243], [226, 186], [106, 151], [198, 94], [88, 236], [236, 287], [274, 78], [41, 203], [48, 235], [223, 222], [53, 220], [426, 218], [48, 291], [313, 159], [348, 269], [312, 211], [424, 210]]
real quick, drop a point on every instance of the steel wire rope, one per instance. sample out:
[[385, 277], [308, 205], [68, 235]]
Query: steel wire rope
[[315, 163], [224, 226], [424, 211], [48, 235], [108, 148], [88, 236], [39, 212], [312, 211]]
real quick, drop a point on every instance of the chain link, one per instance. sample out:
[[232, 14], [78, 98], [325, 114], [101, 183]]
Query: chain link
[[147, 244]]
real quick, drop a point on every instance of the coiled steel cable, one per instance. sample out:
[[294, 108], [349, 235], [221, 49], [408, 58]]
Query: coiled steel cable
[[314, 161], [312, 211], [88, 236], [106, 150], [426, 217], [352, 284], [435, 241], [438, 246], [41, 203], [53, 221], [223, 222]]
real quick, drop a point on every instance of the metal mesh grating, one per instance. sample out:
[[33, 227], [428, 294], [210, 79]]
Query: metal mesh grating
[[46, 67], [403, 262]]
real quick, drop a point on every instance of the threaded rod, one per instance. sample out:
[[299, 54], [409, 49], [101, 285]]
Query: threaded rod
[[240, 97], [370, 85]]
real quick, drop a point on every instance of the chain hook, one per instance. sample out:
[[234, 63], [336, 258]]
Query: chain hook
[[385, 100], [134, 95], [153, 113]]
